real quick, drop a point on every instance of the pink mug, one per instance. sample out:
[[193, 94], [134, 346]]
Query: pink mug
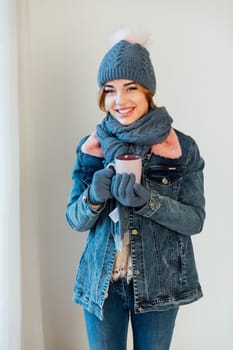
[[128, 163]]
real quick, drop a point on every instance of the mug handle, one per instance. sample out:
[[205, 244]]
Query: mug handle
[[112, 165]]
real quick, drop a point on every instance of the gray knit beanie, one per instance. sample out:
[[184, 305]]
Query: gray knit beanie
[[129, 61]]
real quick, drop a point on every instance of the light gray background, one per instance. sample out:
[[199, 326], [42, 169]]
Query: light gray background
[[61, 44]]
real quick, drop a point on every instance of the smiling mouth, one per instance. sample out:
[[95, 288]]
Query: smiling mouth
[[125, 111]]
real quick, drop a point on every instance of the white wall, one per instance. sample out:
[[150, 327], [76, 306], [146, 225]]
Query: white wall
[[9, 181], [61, 45]]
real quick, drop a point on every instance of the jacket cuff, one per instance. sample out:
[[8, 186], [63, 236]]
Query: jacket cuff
[[151, 206], [96, 208]]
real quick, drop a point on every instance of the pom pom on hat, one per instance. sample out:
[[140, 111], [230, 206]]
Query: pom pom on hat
[[132, 37], [128, 59]]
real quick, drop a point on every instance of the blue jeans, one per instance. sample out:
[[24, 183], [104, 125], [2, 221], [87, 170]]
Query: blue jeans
[[151, 330]]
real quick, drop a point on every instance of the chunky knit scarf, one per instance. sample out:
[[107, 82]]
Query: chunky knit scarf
[[151, 133]]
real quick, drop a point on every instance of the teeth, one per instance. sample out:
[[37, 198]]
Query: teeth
[[123, 111]]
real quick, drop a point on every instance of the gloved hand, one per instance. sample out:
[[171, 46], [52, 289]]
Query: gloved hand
[[128, 192], [100, 189]]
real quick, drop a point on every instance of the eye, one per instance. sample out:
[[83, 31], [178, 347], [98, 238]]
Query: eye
[[132, 88], [109, 91]]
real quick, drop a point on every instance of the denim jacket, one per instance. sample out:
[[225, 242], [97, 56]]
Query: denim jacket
[[164, 270]]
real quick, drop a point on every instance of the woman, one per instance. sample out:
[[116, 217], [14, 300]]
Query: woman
[[139, 262]]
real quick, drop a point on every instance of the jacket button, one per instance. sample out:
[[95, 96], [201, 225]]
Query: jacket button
[[134, 231], [153, 204], [165, 180], [84, 198]]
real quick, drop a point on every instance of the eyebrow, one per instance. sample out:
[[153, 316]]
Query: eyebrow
[[126, 84]]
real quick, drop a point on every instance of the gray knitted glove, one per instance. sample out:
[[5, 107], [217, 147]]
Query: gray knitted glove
[[100, 189], [128, 192]]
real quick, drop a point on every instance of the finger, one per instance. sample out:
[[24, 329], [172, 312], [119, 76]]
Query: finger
[[130, 185], [141, 191], [115, 185], [109, 172], [138, 189], [124, 185]]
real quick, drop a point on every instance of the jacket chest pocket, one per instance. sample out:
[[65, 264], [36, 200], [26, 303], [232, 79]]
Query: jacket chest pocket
[[166, 180]]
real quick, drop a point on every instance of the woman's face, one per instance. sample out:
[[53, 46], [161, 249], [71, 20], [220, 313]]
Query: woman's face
[[125, 101]]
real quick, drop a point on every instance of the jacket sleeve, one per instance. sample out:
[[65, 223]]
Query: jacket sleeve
[[79, 214], [187, 214]]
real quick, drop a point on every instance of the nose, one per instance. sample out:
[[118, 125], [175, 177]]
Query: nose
[[120, 98]]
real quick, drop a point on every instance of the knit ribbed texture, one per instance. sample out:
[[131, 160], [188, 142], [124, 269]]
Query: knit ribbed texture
[[127, 61]]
